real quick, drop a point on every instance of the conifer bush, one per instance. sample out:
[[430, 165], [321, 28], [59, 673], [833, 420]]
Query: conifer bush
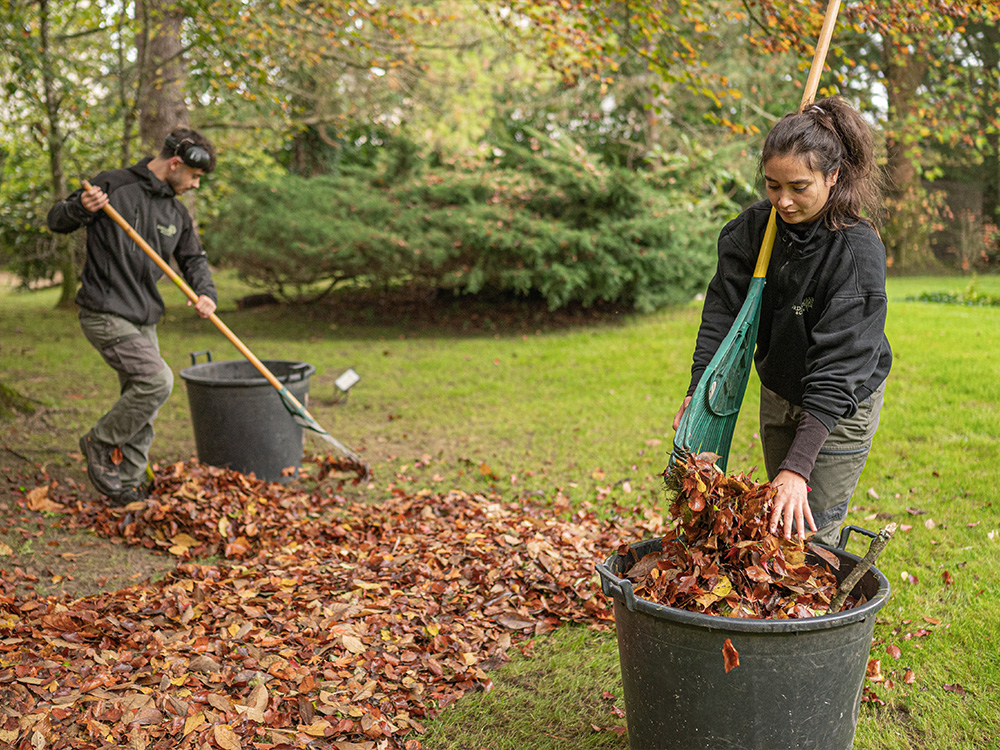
[[530, 223]]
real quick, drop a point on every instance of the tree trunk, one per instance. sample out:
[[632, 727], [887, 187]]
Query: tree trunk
[[906, 242], [162, 106], [127, 87], [991, 95]]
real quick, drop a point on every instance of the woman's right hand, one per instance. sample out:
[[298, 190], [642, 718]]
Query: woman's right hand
[[680, 412]]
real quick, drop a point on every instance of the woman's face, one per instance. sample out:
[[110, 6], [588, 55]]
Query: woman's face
[[797, 192]]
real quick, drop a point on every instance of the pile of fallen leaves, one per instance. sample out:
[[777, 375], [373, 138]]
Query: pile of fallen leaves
[[719, 557], [327, 623]]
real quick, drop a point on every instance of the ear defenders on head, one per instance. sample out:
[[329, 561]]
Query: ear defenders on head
[[191, 154]]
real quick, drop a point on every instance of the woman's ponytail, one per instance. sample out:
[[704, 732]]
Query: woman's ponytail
[[831, 135]]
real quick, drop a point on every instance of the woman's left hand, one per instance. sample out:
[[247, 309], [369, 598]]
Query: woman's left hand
[[791, 505]]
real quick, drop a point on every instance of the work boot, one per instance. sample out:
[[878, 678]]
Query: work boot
[[100, 468], [130, 495]]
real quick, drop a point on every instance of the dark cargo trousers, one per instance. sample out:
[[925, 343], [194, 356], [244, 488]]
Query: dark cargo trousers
[[133, 352], [839, 464]]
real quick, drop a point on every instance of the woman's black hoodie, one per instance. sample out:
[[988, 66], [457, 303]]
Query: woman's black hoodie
[[821, 343]]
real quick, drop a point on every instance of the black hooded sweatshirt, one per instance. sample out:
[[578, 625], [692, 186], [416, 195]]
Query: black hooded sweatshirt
[[118, 277], [821, 343]]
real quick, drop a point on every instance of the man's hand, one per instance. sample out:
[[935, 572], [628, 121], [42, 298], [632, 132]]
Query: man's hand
[[204, 306], [94, 199], [791, 505]]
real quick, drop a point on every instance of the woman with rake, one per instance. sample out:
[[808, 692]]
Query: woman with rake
[[822, 355]]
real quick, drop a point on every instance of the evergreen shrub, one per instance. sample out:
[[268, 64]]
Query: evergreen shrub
[[548, 225]]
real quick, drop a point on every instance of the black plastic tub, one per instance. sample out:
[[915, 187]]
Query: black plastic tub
[[239, 419], [798, 685]]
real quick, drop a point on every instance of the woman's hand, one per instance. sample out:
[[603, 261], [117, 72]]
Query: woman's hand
[[680, 412], [791, 505], [204, 306]]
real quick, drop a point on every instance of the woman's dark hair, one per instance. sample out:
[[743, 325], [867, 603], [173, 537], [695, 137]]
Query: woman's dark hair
[[830, 135]]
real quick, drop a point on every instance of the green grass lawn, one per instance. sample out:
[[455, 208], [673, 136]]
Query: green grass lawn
[[585, 412]]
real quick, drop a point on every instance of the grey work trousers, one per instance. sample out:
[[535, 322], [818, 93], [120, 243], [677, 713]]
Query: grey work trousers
[[840, 462], [146, 381]]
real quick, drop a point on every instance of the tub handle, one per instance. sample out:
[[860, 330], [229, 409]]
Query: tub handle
[[297, 372], [612, 584], [845, 534], [194, 356]]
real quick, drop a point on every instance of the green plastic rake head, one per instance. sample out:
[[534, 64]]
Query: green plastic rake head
[[710, 418]]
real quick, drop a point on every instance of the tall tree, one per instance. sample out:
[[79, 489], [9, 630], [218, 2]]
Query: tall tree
[[162, 100], [49, 49], [912, 52]]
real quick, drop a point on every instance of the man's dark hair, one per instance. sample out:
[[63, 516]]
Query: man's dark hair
[[192, 147]]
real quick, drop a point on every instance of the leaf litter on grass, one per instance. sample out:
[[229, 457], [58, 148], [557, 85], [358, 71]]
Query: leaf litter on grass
[[324, 623]]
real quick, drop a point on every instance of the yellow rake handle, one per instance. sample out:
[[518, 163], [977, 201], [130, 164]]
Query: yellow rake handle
[[812, 84]]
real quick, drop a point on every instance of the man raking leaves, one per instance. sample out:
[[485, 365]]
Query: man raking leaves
[[120, 305]]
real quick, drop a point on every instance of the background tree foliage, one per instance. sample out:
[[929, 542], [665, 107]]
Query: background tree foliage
[[303, 88]]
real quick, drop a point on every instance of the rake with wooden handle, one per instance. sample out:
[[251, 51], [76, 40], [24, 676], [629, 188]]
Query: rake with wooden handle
[[296, 409]]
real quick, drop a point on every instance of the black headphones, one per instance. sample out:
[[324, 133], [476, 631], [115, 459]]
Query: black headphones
[[191, 154]]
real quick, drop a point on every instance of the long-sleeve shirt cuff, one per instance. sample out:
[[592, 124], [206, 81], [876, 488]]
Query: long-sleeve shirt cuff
[[809, 438]]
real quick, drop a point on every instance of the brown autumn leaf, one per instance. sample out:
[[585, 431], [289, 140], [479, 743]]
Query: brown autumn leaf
[[226, 738], [60, 621], [893, 650], [353, 644], [757, 573], [204, 663], [826, 555], [730, 656], [909, 677], [316, 729], [39, 501], [515, 622], [874, 670], [193, 722], [947, 578]]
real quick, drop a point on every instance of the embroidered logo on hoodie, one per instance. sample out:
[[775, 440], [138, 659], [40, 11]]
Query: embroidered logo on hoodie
[[169, 231], [807, 303]]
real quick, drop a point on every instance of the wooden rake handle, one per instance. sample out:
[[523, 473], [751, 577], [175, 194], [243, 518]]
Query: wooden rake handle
[[191, 295], [812, 85]]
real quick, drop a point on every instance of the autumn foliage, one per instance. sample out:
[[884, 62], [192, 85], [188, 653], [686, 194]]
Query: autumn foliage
[[294, 619], [719, 557]]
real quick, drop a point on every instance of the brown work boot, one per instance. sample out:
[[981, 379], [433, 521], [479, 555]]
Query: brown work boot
[[101, 469]]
